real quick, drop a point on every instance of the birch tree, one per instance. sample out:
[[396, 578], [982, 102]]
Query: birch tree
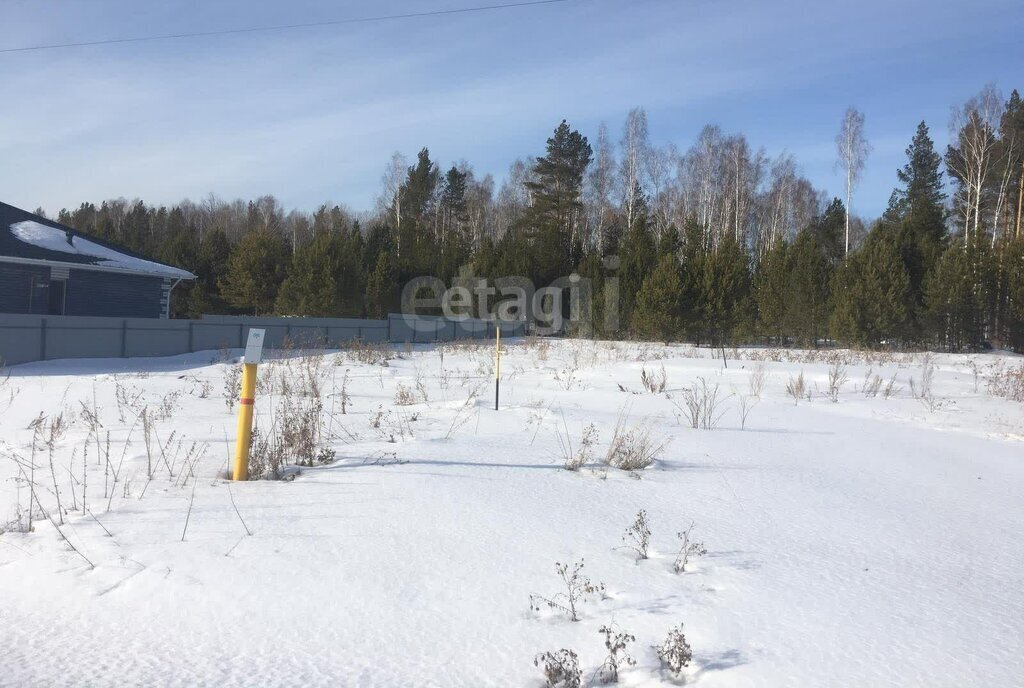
[[390, 200], [600, 187], [853, 150], [971, 161], [634, 151], [658, 165]]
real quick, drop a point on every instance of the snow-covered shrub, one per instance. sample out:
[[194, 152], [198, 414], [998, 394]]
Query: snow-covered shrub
[[1007, 383], [872, 384], [232, 386], [687, 550], [701, 407], [578, 588], [567, 375], [757, 378], [561, 669], [296, 433], [836, 379], [539, 346], [633, 448], [618, 657], [343, 396], [922, 389], [404, 396], [128, 398], [797, 387], [746, 404], [373, 353], [675, 653], [421, 387], [638, 536], [654, 383], [463, 412], [891, 389], [575, 457], [266, 455]]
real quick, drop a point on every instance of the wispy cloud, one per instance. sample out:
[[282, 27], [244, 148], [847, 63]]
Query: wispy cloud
[[315, 115]]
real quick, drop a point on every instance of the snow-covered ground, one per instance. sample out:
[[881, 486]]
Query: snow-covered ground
[[869, 542]]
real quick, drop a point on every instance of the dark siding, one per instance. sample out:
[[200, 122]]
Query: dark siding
[[16, 287], [91, 292]]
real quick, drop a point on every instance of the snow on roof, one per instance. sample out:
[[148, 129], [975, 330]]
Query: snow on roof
[[54, 239]]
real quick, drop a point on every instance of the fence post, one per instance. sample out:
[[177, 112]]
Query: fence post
[[191, 340], [124, 338], [42, 340]]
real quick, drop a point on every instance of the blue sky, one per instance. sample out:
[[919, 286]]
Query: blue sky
[[313, 115]]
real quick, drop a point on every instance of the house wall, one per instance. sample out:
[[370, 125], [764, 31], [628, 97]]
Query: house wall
[[109, 294], [23, 288]]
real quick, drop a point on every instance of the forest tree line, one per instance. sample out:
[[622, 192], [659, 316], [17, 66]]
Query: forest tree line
[[716, 244]]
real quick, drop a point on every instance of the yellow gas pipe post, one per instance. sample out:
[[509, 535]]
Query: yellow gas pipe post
[[497, 364], [253, 355], [245, 404]]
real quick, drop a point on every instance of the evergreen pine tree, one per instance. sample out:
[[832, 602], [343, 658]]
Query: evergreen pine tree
[[670, 242], [591, 267], [637, 259], [830, 232], [417, 245], [918, 211], [769, 288], [382, 295], [807, 289], [553, 222], [311, 287], [957, 296], [657, 314], [1013, 279], [692, 312], [254, 271], [726, 291], [871, 293]]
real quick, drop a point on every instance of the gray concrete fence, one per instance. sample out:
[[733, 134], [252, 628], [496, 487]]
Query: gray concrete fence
[[27, 338]]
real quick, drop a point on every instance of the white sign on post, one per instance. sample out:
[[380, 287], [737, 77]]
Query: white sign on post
[[254, 346]]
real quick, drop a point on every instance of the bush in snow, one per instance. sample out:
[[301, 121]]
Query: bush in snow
[[746, 404], [232, 386], [561, 669], [922, 390], [758, 377], [796, 387], [374, 353], [653, 383], [638, 535], [836, 379], [1007, 383], [617, 655], [675, 653], [687, 550], [266, 454], [575, 457], [577, 588], [633, 448], [872, 384], [700, 407], [404, 396]]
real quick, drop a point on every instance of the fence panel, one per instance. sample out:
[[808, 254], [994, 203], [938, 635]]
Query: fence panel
[[28, 338]]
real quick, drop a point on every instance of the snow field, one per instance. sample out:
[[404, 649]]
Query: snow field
[[872, 541]]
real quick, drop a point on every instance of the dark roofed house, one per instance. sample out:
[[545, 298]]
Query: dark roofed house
[[49, 269]]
